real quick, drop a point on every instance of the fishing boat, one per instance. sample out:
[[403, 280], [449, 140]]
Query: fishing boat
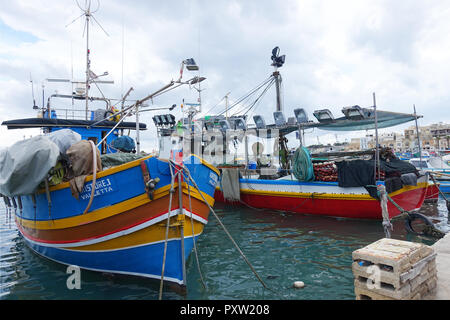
[[267, 180], [84, 195], [438, 167]]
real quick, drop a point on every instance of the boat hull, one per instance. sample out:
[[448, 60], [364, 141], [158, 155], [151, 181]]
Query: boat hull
[[324, 198], [124, 231]]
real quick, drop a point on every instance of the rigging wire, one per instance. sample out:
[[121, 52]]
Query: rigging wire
[[258, 99], [246, 96]]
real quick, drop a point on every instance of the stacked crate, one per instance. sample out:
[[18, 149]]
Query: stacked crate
[[390, 269]]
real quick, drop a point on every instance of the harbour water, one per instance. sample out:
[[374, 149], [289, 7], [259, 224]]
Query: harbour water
[[282, 248]]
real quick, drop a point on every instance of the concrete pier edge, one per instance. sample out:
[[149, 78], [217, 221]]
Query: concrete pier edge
[[442, 249]]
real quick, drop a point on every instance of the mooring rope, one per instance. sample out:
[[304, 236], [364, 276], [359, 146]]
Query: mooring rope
[[226, 231], [193, 237], [94, 175], [171, 191], [430, 229]]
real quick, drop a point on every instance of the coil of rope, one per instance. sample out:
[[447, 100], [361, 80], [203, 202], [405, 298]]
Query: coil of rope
[[302, 165]]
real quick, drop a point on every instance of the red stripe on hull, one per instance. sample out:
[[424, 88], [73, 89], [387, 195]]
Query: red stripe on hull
[[357, 209]]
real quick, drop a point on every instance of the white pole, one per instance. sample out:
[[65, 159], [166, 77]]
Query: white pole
[[138, 146], [377, 154], [87, 59]]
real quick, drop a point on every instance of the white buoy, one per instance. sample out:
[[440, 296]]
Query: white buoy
[[299, 284]]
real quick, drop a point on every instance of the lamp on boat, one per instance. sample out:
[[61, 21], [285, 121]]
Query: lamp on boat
[[196, 79], [323, 115], [224, 125], [301, 115], [165, 119], [171, 119], [277, 60], [157, 120], [259, 121], [239, 124], [353, 113], [190, 64], [279, 118]]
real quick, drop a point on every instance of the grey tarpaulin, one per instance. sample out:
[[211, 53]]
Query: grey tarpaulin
[[230, 184], [64, 138], [25, 164]]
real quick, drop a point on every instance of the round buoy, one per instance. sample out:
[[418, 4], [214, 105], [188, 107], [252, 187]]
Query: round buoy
[[299, 284]]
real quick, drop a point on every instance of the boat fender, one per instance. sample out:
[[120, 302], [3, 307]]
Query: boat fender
[[150, 187], [149, 183], [413, 216]]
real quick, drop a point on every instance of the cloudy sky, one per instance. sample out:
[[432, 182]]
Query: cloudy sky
[[337, 54]]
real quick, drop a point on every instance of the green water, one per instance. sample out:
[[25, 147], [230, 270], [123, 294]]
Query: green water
[[282, 248]]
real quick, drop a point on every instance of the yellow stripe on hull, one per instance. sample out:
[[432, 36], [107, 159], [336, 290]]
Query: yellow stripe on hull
[[334, 196], [107, 212], [151, 234]]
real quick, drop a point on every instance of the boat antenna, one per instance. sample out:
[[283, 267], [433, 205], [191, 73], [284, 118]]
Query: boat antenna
[[88, 13], [35, 107]]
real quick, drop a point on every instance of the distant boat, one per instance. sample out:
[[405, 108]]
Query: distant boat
[[438, 166]]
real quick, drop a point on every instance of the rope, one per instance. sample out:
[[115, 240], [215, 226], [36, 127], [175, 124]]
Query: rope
[[167, 229], [302, 165], [193, 237], [94, 175], [226, 231], [387, 225], [430, 229]]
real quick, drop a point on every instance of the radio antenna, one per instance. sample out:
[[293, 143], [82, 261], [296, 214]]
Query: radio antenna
[[88, 13], [35, 107]]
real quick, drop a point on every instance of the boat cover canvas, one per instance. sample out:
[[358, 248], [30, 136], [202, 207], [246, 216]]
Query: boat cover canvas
[[360, 173], [64, 138], [25, 164], [82, 164], [46, 122], [385, 119]]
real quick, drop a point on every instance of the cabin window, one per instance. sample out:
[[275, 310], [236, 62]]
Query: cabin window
[[93, 139]]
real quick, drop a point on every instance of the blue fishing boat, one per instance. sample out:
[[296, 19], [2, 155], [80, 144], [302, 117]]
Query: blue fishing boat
[[85, 194]]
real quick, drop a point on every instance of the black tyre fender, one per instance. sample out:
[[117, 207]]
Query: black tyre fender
[[413, 216]]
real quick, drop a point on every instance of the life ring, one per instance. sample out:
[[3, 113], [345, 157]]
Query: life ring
[[413, 216]]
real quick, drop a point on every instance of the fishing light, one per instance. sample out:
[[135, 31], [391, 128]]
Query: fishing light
[[190, 64], [158, 120], [323, 115], [165, 119], [301, 115], [171, 119], [197, 80], [239, 124], [353, 113], [224, 125], [259, 122], [279, 118], [278, 61]]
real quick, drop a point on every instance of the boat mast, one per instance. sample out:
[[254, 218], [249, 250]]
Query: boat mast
[[418, 136], [377, 153], [277, 77], [87, 13]]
